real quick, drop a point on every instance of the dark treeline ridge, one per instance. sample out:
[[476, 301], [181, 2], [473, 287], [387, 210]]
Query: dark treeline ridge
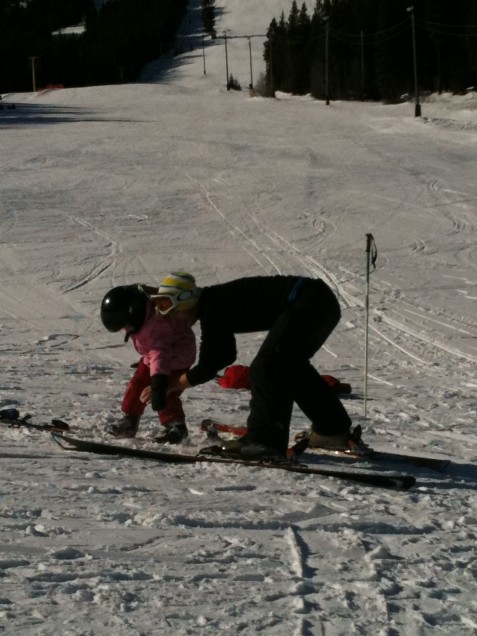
[[208, 17], [118, 40], [369, 53], [365, 48]]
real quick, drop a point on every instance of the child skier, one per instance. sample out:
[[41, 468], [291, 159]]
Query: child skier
[[167, 350], [299, 314]]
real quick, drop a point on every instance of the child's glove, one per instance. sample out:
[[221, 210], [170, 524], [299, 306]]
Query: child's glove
[[159, 384]]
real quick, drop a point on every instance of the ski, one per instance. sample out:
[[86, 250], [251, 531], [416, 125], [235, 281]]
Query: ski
[[11, 417], [399, 482], [435, 463]]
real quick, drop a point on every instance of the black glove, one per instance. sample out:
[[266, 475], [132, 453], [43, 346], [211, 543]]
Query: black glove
[[159, 385]]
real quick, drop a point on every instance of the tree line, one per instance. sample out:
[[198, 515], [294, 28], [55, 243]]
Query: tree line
[[363, 49], [341, 49], [118, 39]]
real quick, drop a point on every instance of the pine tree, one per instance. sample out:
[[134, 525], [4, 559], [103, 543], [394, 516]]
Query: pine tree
[[393, 50], [276, 52], [317, 51]]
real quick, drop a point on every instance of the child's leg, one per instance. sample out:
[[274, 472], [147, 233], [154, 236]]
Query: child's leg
[[131, 404], [173, 411]]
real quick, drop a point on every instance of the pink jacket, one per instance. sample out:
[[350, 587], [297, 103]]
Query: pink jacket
[[163, 345]]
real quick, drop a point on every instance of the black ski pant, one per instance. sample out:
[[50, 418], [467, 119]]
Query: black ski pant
[[281, 373]]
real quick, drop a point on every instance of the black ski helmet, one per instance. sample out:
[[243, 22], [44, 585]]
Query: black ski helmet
[[124, 305]]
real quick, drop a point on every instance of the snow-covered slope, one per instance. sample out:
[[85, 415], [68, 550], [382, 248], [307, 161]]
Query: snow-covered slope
[[109, 185]]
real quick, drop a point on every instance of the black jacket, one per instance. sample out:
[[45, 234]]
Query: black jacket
[[244, 305]]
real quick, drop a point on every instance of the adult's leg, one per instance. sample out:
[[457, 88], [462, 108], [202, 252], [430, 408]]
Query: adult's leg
[[319, 402], [271, 401], [293, 338], [311, 393], [281, 373]]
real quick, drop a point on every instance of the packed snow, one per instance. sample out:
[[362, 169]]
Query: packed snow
[[112, 185]]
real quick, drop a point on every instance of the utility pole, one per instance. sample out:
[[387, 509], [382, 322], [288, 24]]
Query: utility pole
[[33, 60], [417, 109], [363, 88], [250, 55], [226, 62], [327, 83], [203, 54]]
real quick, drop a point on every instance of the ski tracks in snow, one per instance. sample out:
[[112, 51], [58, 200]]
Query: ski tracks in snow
[[406, 339], [99, 267], [408, 330], [229, 546]]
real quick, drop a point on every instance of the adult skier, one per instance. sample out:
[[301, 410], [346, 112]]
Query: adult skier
[[299, 314]]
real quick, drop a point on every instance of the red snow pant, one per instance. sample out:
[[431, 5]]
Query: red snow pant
[[132, 405]]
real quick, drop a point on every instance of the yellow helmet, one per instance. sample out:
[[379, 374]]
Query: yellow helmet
[[176, 291]]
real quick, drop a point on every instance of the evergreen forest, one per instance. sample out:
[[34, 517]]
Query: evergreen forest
[[119, 38], [368, 49], [335, 49]]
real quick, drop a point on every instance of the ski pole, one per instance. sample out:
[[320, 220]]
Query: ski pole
[[371, 256]]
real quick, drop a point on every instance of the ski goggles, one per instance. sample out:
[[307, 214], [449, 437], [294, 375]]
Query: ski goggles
[[165, 303]]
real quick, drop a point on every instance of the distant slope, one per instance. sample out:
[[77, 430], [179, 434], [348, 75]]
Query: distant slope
[[235, 18]]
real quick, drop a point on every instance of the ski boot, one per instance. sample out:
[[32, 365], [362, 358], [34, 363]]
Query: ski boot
[[126, 427], [174, 433], [347, 442]]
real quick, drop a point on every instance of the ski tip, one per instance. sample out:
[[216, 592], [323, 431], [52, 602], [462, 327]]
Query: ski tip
[[63, 441], [57, 437], [59, 425]]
